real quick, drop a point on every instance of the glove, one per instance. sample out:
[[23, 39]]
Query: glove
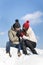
[[21, 34], [18, 34]]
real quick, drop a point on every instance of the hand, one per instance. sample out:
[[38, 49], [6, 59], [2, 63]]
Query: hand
[[18, 33], [20, 37], [21, 34]]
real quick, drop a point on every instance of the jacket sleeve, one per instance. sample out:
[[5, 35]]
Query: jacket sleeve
[[12, 37], [30, 35], [25, 37]]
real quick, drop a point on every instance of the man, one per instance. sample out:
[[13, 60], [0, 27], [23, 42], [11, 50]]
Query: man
[[13, 38], [29, 37]]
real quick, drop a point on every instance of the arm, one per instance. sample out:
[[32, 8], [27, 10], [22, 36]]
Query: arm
[[12, 37], [25, 37]]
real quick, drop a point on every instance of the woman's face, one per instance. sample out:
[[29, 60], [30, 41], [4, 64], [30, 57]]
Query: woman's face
[[24, 29]]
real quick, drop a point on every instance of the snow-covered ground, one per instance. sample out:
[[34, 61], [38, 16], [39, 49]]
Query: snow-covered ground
[[22, 60]]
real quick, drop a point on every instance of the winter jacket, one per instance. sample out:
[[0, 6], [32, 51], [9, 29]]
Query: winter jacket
[[12, 36], [30, 35]]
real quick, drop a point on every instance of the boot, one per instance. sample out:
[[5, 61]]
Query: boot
[[8, 54], [19, 54]]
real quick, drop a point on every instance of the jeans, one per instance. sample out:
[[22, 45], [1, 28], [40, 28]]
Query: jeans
[[10, 44]]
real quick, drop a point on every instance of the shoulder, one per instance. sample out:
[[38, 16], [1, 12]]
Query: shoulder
[[9, 31], [29, 29]]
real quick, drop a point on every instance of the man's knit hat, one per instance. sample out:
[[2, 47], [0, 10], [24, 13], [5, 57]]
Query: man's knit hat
[[16, 24]]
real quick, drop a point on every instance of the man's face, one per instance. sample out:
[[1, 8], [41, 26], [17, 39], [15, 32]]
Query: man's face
[[17, 29]]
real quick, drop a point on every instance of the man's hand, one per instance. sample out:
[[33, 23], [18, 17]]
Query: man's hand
[[18, 33]]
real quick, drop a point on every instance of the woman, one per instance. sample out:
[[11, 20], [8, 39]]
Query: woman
[[29, 37]]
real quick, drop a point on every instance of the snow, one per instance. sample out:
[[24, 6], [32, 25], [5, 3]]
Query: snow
[[22, 60]]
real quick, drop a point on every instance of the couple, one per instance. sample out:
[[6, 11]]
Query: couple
[[21, 38]]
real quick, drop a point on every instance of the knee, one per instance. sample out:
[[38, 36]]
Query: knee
[[34, 45]]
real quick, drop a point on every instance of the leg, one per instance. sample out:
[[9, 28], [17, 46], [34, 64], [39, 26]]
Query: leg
[[19, 47], [8, 47], [9, 44], [23, 46], [34, 44], [29, 44]]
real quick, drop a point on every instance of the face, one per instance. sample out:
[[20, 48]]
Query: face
[[17, 29], [25, 29]]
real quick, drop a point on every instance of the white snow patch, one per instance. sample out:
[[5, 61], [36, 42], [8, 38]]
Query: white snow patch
[[23, 60]]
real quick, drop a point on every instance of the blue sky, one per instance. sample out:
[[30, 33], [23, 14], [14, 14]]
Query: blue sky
[[23, 10]]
